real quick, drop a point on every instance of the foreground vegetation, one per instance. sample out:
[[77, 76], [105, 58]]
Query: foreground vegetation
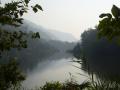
[[88, 85], [93, 83]]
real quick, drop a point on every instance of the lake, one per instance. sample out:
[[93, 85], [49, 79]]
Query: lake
[[53, 70]]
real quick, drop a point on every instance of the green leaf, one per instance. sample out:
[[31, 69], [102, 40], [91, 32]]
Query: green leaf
[[39, 7], [37, 35], [35, 9], [16, 15], [106, 14], [115, 11], [21, 13], [27, 1]]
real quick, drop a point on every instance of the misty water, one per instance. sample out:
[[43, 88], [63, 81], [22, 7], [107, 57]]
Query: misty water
[[53, 69]]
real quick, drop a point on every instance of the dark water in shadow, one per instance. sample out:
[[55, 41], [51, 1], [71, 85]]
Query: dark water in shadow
[[100, 56]]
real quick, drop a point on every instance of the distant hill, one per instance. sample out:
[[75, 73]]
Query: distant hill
[[62, 36], [47, 34]]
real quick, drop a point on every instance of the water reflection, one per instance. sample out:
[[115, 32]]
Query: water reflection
[[55, 70], [100, 56]]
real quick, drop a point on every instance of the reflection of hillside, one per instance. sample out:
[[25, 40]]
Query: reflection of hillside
[[61, 46], [40, 50], [45, 63], [60, 55]]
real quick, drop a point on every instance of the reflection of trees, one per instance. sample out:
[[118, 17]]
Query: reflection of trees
[[99, 55]]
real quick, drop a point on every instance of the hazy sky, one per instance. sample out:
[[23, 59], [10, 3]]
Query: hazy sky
[[73, 16]]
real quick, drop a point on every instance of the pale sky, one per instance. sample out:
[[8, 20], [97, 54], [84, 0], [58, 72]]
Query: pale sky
[[72, 16]]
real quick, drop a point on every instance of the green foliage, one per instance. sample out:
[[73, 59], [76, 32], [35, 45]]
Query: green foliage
[[109, 26], [63, 86], [36, 35], [37, 7], [70, 84], [12, 40], [52, 86], [96, 83], [11, 14], [10, 75], [89, 85], [115, 11]]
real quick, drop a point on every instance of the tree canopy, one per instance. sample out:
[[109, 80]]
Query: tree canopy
[[11, 14], [109, 26]]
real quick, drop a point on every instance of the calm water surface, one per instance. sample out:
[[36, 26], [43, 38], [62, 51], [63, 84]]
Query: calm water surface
[[53, 70]]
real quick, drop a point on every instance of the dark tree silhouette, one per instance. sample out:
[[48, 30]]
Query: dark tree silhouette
[[99, 56], [109, 26]]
